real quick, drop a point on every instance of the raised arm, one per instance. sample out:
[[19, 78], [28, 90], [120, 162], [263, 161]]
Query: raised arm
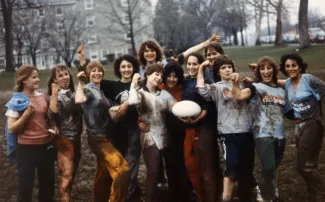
[[54, 99], [16, 125], [237, 93], [200, 75], [201, 46], [80, 97], [81, 56], [134, 97]]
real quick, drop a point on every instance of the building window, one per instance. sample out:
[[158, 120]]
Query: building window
[[93, 55], [60, 26], [41, 12], [127, 36], [126, 18], [90, 21], [104, 54], [89, 4], [124, 3], [92, 39], [59, 11]]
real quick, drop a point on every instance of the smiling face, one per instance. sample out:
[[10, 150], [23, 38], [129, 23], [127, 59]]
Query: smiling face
[[155, 78], [192, 66], [266, 71], [95, 75], [225, 71], [62, 78], [212, 55], [292, 69], [149, 54], [126, 70], [172, 80], [32, 82]]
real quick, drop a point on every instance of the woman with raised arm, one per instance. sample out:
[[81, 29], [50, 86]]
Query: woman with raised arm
[[200, 144], [68, 119], [152, 105], [27, 119], [112, 174], [269, 106], [234, 126], [304, 94]]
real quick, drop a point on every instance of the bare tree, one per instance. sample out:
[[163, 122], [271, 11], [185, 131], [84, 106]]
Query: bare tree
[[65, 36], [315, 18], [35, 27], [18, 32], [130, 18], [304, 40], [7, 7]]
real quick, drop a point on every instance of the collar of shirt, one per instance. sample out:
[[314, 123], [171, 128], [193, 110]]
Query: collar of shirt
[[146, 89], [64, 91]]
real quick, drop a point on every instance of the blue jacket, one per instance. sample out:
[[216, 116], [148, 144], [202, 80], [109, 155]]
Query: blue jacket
[[18, 102]]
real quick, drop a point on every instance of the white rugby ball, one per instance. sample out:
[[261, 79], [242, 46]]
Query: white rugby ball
[[113, 112], [186, 108]]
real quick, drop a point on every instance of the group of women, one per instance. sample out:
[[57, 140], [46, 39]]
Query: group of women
[[243, 118]]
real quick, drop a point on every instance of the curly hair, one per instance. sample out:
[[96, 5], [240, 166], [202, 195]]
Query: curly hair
[[177, 69], [92, 65], [267, 60], [152, 44], [127, 57], [222, 60], [53, 74], [215, 46], [292, 56]]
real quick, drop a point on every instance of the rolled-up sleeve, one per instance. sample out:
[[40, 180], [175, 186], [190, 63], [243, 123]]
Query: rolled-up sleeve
[[134, 97]]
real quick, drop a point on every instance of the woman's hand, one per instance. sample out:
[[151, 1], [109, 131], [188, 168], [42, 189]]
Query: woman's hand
[[145, 128], [30, 109], [234, 77], [55, 89], [81, 76], [188, 120], [214, 37], [122, 110], [205, 64], [136, 78]]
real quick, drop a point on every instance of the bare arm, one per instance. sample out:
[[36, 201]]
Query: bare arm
[[237, 93], [134, 97], [54, 98], [16, 125], [281, 83], [201, 46], [81, 54], [200, 76], [80, 97]]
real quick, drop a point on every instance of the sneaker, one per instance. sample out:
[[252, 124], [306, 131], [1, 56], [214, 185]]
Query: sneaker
[[257, 193]]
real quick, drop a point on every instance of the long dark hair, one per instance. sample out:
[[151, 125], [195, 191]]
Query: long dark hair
[[53, 75]]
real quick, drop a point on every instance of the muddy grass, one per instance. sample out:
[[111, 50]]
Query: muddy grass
[[291, 185]]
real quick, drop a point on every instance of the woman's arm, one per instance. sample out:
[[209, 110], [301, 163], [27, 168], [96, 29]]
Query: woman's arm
[[134, 97], [237, 93], [200, 75], [54, 99], [16, 125], [80, 97], [201, 46]]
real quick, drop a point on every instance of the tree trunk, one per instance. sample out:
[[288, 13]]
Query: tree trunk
[[7, 20], [258, 15], [234, 33], [134, 51], [278, 32], [304, 40], [33, 55], [242, 36]]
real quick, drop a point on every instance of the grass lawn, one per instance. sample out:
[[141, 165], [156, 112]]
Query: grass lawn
[[314, 56]]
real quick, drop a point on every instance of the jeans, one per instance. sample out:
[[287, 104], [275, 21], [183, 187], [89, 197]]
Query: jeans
[[270, 153]]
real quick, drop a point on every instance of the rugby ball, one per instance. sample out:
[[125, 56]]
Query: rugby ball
[[113, 112], [186, 108]]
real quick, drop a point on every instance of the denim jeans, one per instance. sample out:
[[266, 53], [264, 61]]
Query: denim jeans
[[270, 153]]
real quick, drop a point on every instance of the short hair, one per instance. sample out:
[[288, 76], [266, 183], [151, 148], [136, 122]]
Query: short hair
[[261, 62], [127, 57], [54, 70], [222, 60], [215, 46], [153, 45], [92, 65], [173, 67], [152, 68], [199, 56], [292, 56]]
